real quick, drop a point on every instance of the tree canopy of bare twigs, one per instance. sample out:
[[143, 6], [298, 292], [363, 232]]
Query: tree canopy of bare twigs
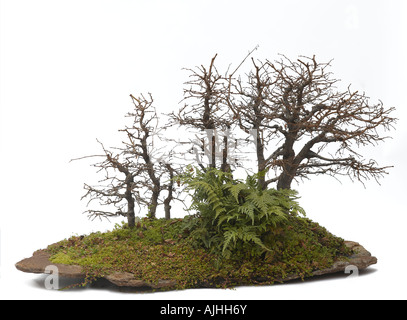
[[298, 112], [136, 173], [117, 187], [205, 111], [302, 125]]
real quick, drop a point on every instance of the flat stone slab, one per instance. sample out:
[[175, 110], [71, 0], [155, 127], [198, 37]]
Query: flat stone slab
[[361, 260], [39, 263]]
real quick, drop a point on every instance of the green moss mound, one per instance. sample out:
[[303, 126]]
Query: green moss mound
[[159, 249]]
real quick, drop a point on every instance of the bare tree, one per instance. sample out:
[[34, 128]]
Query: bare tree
[[296, 105], [204, 110], [115, 189], [302, 124], [134, 174], [247, 101], [140, 145]]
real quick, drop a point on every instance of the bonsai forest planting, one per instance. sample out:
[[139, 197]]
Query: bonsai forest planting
[[241, 142]]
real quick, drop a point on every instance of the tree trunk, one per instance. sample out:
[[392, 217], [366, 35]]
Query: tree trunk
[[213, 152], [155, 181], [284, 182], [131, 220], [154, 203], [289, 166], [167, 209], [225, 167], [261, 162], [169, 198]]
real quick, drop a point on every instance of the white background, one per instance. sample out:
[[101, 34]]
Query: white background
[[68, 67]]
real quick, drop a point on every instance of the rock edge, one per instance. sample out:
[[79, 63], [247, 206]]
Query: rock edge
[[39, 263]]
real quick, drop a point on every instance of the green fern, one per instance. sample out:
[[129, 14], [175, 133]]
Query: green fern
[[235, 189], [234, 215]]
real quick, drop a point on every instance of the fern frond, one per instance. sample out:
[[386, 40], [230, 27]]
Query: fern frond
[[236, 189], [234, 215], [228, 237], [248, 209]]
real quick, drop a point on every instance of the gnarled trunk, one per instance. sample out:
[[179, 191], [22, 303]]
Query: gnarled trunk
[[131, 219]]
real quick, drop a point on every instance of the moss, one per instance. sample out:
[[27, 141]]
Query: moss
[[159, 249], [63, 258]]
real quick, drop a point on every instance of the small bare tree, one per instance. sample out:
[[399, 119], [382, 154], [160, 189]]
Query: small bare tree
[[115, 189], [135, 173], [140, 146], [156, 168]]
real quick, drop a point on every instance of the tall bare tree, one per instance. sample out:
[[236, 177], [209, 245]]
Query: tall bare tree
[[297, 107], [248, 102], [205, 111]]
